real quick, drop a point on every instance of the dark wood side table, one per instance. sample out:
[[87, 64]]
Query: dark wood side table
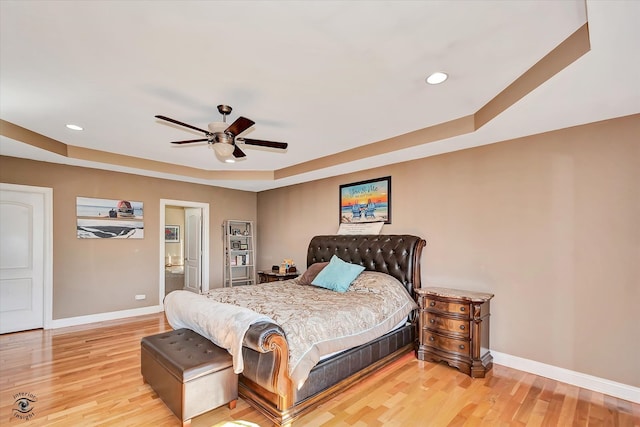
[[454, 328], [272, 276]]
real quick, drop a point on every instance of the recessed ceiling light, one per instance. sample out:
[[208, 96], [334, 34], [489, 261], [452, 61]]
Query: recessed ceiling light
[[74, 127], [230, 160], [437, 78]]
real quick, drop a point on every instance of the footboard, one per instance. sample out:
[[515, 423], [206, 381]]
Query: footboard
[[265, 380], [265, 383]]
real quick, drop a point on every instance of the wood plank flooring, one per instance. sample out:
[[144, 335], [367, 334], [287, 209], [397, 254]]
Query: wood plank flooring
[[90, 375]]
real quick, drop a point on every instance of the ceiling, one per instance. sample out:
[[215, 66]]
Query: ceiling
[[334, 79]]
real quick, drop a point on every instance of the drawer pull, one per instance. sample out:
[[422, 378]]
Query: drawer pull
[[432, 320], [432, 339], [461, 346], [432, 303], [462, 327], [462, 308]]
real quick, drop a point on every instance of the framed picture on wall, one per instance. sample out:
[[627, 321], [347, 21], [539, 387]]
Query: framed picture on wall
[[172, 233], [366, 201], [109, 219]]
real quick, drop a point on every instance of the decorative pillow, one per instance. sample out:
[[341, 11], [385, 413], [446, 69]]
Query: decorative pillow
[[338, 275], [311, 273]]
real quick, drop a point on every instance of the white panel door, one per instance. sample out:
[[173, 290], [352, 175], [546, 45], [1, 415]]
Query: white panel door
[[22, 228], [193, 249]]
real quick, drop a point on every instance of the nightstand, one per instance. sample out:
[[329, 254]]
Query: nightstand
[[454, 328], [269, 276]]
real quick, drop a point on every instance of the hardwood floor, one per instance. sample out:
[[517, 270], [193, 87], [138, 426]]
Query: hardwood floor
[[90, 375]]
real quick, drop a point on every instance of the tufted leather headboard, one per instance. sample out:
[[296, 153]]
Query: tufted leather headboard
[[395, 254]]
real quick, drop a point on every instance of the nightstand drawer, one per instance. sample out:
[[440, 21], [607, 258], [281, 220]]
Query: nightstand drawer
[[447, 307], [441, 323], [458, 346]]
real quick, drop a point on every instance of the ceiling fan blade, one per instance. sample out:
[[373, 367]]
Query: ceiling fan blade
[[182, 124], [237, 153], [190, 141], [240, 125], [270, 144]]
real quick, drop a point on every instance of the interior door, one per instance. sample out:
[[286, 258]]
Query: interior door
[[22, 228], [193, 249]]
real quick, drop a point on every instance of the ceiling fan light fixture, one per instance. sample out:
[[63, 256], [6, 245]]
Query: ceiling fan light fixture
[[217, 127], [437, 78], [223, 149], [230, 160]]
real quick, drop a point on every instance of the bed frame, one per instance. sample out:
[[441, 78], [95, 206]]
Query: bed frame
[[265, 383]]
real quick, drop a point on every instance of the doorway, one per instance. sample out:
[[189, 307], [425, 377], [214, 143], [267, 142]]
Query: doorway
[[184, 246], [26, 257]]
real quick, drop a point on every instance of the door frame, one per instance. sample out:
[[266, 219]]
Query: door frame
[[204, 246], [47, 274]]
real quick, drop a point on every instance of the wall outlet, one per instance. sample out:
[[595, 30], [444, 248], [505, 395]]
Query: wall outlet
[[141, 297]]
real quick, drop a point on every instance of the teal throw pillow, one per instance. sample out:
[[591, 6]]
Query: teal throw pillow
[[337, 275]]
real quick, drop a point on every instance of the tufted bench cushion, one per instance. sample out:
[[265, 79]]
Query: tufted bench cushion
[[190, 373]]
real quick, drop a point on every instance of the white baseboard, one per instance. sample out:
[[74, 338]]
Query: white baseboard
[[101, 317], [601, 385]]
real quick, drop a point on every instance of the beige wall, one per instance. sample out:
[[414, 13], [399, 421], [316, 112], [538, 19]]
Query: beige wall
[[548, 223], [93, 276]]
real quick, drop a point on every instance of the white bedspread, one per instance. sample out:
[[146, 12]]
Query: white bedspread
[[224, 324]]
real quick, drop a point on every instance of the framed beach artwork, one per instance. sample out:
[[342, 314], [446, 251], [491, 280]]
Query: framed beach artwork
[[109, 219], [366, 201], [172, 233]]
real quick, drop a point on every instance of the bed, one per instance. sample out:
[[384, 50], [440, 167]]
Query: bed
[[287, 370]]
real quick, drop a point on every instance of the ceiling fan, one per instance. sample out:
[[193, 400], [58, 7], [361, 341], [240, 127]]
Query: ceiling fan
[[223, 138]]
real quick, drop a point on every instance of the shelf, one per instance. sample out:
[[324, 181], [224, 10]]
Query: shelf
[[236, 273]]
